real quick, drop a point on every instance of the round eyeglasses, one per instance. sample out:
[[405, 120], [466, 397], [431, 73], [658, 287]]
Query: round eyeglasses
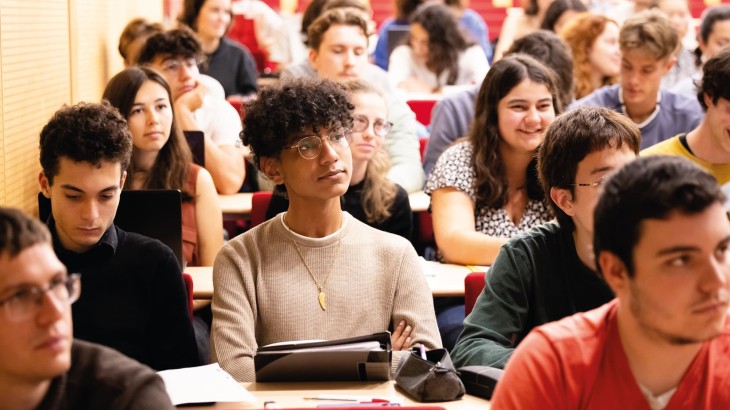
[[381, 128], [311, 146], [25, 302]]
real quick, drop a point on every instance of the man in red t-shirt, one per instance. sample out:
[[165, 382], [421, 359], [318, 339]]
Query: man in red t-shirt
[[662, 242]]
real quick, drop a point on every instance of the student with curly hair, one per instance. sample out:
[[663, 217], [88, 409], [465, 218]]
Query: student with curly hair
[[228, 61], [437, 54], [371, 198], [593, 39], [313, 272], [161, 159], [133, 297]]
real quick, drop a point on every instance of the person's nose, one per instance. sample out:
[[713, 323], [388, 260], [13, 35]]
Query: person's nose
[[50, 308], [328, 154], [90, 211]]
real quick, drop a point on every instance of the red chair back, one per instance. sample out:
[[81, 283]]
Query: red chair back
[[242, 30], [423, 144], [422, 109], [189, 289], [259, 205], [473, 286]]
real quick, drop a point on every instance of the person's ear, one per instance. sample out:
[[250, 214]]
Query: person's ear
[[123, 180], [313, 54], [563, 198], [44, 184], [271, 168], [708, 100], [614, 272], [669, 64]]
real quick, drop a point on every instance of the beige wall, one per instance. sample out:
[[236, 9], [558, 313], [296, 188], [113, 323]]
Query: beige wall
[[52, 52]]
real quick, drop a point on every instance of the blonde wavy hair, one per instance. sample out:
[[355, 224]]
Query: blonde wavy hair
[[378, 192], [580, 34]]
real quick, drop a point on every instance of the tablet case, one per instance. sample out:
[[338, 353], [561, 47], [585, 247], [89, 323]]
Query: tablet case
[[480, 380], [298, 362]]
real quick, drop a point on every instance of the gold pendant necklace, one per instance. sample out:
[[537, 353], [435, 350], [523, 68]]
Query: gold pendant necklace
[[321, 296]]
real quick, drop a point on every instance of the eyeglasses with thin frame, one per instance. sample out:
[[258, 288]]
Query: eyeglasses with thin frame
[[172, 66], [381, 128], [595, 184], [24, 303], [311, 145]]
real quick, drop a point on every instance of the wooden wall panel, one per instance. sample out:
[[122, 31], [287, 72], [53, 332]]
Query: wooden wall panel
[[88, 49], [34, 56]]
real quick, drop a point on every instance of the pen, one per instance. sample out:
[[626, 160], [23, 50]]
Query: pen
[[423, 351]]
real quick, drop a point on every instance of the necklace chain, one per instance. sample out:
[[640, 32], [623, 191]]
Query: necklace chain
[[321, 296]]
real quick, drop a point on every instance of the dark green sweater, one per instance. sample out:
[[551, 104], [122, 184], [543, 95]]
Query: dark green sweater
[[536, 278]]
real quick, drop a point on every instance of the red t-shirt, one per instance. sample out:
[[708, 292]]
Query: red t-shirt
[[579, 363]]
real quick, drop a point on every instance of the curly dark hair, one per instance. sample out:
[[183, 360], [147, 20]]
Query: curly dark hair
[[19, 231], [549, 49], [191, 11], [285, 110], [490, 184], [180, 42], [171, 165], [445, 39], [85, 132]]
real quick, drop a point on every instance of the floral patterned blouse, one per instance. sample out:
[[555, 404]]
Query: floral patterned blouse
[[453, 169]]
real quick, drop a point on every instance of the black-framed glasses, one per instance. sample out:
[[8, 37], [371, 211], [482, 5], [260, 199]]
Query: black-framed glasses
[[381, 128], [25, 302], [595, 184], [311, 146]]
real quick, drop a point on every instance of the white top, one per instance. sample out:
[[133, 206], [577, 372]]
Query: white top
[[473, 67], [218, 119]]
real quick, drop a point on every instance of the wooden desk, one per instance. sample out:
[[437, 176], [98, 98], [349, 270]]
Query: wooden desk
[[443, 279], [292, 395], [238, 206]]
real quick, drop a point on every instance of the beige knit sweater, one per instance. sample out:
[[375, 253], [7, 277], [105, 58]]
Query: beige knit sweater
[[263, 293]]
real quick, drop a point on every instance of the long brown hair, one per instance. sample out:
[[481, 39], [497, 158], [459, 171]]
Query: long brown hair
[[174, 159], [490, 183], [580, 34], [445, 40], [378, 192]]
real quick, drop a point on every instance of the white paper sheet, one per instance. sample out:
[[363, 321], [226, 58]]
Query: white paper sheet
[[203, 384]]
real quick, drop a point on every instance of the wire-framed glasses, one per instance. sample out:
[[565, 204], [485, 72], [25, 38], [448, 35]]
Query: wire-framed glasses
[[311, 145], [381, 128], [594, 184], [25, 302]]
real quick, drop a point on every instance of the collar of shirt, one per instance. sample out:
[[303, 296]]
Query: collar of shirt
[[106, 247]]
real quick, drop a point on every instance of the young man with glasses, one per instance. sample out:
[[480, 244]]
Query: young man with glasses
[[371, 197], [176, 55], [41, 365], [313, 272], [134, 297], [549, 272], [662, 243]]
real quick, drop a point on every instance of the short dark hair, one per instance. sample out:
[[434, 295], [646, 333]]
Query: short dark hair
[[710, 17], [19, 231], [715, 81], [551, 50], [284, 110], [648, 188], [180, 42], [85, 132], [570, 138]]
